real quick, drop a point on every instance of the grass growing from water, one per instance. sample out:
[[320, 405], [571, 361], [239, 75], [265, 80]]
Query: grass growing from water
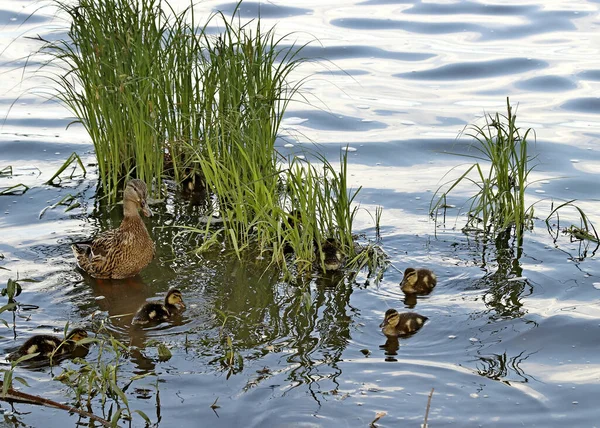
[[159, 95], [499, 203], [500, 200]]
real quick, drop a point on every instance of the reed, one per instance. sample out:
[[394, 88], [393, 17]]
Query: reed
[[499, 206], [159, 95], [499, 202]]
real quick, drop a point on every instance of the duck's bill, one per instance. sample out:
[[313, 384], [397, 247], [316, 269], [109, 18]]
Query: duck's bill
[[383, 324], [146, 209], [180, 306]]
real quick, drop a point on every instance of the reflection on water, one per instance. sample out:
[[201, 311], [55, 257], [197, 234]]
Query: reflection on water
[[503, 284], [503, 368], [406, 78]]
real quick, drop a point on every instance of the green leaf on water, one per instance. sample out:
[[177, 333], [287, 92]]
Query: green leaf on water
[[21, 380], [164, 354], [143, 415]]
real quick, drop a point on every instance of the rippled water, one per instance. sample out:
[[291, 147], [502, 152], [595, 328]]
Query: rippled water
[[511, 339]]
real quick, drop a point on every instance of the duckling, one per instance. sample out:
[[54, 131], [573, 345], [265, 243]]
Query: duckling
[[154, 312], [332, 256], [45, 345], [418, 281], [397, 324], [123, 252]]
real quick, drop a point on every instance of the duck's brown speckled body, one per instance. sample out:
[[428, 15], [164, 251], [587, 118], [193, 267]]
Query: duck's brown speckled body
[[123, 252], [401, 324], [45, 345], [155, 312], [418, 281]]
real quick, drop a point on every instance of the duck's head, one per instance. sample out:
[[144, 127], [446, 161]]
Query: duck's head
[[136, 193], [409, 280], [77, 334], [174, 298], [391, 319]]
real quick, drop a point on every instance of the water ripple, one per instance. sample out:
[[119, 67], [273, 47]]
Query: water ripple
[[476, 70], [264, 10], [548, 84], [584, 105]]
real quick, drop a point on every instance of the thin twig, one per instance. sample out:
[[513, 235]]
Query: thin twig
[[13, 396], [427, 410]]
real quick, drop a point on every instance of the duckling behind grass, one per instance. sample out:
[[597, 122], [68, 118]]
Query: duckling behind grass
[[45, 345]]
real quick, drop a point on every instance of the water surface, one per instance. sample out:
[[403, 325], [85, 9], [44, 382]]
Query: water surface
[[511, 338]]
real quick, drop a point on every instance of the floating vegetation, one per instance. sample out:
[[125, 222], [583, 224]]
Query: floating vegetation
[[100, 378], [73, 159], [68, 201], [17, 189]]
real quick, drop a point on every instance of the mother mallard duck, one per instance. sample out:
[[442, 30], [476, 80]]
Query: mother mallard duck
[[123, 252]]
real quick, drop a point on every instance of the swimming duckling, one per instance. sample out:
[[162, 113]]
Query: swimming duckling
[[397, 324], [155, 312], [45, 345], [332, 257], [418, 281], [123, 252]]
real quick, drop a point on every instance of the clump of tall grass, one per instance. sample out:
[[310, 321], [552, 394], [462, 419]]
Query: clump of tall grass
[[149, 84], [499, 202], [111, 77], [158, 94]]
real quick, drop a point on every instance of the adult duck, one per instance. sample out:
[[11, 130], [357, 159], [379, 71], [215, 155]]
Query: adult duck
[[123, 252]]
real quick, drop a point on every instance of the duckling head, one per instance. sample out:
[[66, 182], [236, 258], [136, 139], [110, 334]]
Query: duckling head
[[77, 334], [332, 256], [409, 280], [390, 321], [174, 298], [136, 193]]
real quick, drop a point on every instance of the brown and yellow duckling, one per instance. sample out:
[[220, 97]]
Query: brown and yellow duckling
[[45, 345], [418, 281], [123, 252], [332, 256], [397, 324], [155, 312]]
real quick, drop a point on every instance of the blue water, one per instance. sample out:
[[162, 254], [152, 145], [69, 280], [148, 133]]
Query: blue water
[[397, 81]]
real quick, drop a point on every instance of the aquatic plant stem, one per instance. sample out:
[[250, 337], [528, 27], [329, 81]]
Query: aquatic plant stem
[[13, 396]]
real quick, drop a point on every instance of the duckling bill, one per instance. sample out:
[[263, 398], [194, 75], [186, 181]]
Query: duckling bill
[[45, 345], [123, 252], [155, 312], [401, 324], [418, 281]]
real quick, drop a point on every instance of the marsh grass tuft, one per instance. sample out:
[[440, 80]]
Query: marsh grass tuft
[[160, 96], [499, 202], [499, 205]]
